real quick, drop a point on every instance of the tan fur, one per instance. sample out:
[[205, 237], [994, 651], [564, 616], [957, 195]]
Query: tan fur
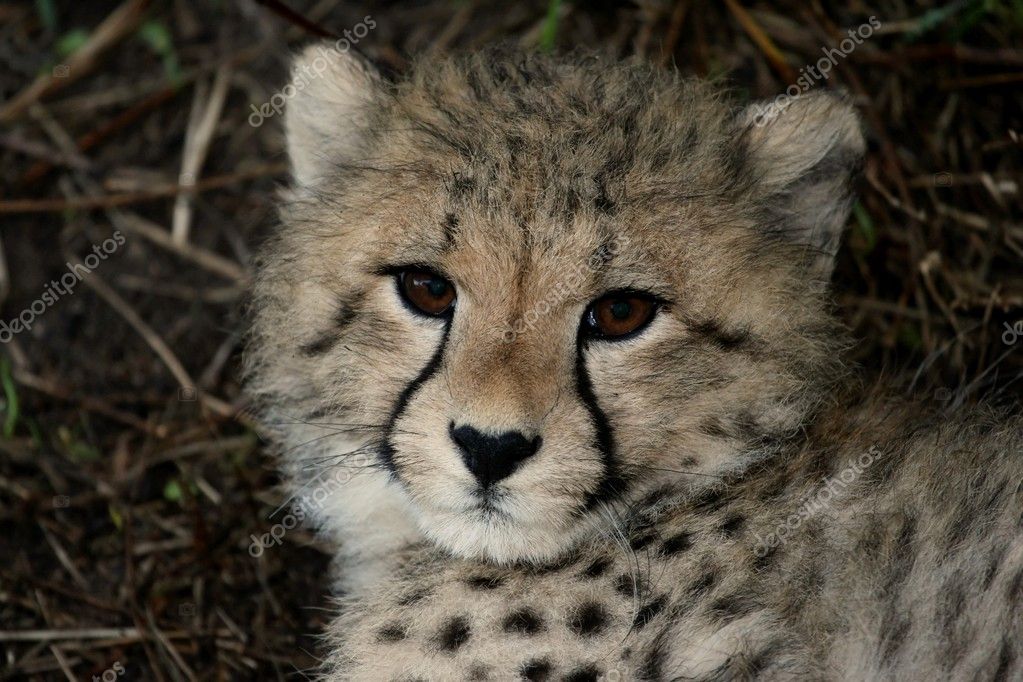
[[536, 185]]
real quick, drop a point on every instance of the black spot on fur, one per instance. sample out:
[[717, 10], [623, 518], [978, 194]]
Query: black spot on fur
[[553, 566], [732, 525], [587, 673], [454, 634], [653, 661], [704, 583], [479, 672], [994, 561], [764, 558], [1005, 659], [597, 568], [710, 500], [1014, 591], [524, 621], [413, 598], [640, 541], [648, 611], [894, 636], [676, 544], [392, 633], [715, 427], [903, 555], [589, 619], [536, 670], [728, 608], [603, 203], [762, 660], [628, 585], [485, 582]]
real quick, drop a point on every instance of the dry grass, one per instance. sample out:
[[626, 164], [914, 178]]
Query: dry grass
[[128, 501]]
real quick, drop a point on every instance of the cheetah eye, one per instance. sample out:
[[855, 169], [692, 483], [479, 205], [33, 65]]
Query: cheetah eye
[[619, 314], [425, 291]]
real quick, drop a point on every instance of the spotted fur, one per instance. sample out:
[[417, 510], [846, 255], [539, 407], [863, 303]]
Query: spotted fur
[[637, 538]]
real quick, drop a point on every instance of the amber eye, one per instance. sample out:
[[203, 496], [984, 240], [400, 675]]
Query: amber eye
[[619, 314], [426, 291]]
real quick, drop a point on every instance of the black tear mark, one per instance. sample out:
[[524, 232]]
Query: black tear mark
[[728, 340], [648, 612], [612, 482], [387, 449], [392, 633], [536, 670], [586, 673], [454, 634], [676, 544], [524, 621], [589, 619]]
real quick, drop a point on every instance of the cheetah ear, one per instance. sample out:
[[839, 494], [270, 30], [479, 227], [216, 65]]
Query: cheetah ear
[[333, 93], [805, 152]]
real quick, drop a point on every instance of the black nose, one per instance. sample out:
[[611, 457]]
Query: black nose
[[491, 458]]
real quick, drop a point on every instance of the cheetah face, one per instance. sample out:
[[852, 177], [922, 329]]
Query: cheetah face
[[527, 291]]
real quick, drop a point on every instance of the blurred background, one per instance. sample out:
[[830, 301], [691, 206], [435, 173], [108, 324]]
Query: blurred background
[[140, 153]]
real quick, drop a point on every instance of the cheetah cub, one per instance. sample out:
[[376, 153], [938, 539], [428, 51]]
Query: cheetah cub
[[554, 334]]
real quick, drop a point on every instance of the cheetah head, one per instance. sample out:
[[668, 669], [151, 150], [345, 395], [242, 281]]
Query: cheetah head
[[520, 291]]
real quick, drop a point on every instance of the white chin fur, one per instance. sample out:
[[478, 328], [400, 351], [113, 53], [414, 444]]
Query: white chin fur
[[501, 538]]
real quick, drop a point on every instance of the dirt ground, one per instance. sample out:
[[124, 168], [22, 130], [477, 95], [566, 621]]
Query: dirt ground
[[135, 147]]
